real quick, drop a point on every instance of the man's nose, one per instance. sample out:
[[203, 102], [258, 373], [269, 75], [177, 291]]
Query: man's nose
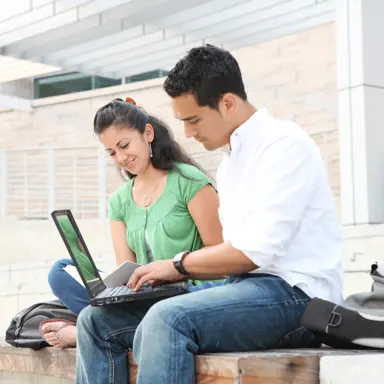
[[189, 131]]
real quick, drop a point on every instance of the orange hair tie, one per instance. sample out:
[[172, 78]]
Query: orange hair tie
[[130, 100]]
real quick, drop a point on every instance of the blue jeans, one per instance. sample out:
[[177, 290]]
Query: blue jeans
[[72, 294], [247, 313]]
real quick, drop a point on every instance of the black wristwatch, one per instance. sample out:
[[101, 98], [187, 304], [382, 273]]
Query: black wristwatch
[[178, 262]]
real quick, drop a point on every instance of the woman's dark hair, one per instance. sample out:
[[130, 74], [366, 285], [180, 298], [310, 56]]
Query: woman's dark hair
[[166, 151]]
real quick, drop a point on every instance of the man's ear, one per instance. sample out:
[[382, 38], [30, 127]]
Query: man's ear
[[228, 102]]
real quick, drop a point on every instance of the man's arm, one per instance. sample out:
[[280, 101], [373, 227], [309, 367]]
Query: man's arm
[[211, 263], [220, 260]]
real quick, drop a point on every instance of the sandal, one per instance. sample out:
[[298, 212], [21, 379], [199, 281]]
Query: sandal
[[56, 332]]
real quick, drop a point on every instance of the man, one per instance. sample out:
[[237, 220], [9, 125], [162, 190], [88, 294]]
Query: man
[[282, 242]]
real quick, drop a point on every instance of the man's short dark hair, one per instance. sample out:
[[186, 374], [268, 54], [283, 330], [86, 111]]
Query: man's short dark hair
[[208, 72]]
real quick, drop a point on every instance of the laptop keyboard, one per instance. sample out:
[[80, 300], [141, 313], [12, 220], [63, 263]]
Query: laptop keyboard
[[119, 291]]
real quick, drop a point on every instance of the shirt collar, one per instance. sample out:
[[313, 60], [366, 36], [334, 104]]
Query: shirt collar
[[242, 132]]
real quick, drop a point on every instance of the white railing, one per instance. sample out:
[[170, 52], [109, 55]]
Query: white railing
[[34, 182]]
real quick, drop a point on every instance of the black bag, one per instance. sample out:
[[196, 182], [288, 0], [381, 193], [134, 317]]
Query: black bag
[[356, 324], [342, 328], [24, 330]]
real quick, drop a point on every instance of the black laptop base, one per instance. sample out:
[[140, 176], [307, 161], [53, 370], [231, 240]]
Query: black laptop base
[[160, 292]]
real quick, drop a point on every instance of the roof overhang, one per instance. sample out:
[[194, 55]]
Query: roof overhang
[[119, 38], [12, 102], [13, 69]]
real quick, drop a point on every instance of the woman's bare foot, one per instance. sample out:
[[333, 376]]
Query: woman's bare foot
[[59, 333]]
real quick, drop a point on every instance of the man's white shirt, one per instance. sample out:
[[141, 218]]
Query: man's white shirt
[[276, 205]]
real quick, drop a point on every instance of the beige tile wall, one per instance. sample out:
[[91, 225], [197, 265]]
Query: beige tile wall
[[294, 76]]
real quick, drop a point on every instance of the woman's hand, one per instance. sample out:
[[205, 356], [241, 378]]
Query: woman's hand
[[154, 273]]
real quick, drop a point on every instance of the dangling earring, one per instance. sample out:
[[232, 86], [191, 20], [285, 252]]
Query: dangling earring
[[150, 150]]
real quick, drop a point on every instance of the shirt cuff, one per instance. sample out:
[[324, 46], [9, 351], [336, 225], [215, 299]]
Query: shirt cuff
[[259, 258]]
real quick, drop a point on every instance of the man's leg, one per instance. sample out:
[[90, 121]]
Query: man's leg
[[246, 315], [104, 336]]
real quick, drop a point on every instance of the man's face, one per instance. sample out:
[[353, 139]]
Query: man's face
[[206, 125]]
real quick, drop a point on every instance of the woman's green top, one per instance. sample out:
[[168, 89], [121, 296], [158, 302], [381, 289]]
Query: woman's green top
[[165, 227]]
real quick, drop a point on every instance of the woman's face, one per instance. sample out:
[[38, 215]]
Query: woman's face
[[128, 148]]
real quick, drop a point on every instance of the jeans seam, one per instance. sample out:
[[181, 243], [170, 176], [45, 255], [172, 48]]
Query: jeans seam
[[118, 331], [291, 332], [294, 301], [172, 324], [109, 352], [287, 335], [111, 363]]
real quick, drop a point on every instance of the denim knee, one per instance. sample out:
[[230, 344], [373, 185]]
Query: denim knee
[[158, 327], [165, 313], [56, 273]]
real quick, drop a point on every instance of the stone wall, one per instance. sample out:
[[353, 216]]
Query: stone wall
[[294, 76]]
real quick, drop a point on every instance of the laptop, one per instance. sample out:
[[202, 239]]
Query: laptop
[[99, 293]]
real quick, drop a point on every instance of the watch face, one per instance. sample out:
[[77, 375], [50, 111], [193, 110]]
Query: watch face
[[179, 256], [177, 263]]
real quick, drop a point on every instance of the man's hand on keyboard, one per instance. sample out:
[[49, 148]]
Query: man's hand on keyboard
[[154, 273]]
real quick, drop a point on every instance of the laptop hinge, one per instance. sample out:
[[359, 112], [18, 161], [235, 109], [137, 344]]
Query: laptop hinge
[[98, 289]]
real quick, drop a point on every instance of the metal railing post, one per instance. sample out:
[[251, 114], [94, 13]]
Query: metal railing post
[[74, 182], [51, 181], [25, 184], [102, 185]]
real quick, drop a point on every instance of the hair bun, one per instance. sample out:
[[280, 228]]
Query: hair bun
[[130, 100]]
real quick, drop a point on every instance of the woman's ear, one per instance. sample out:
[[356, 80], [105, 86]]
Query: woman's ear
[[149, 133]]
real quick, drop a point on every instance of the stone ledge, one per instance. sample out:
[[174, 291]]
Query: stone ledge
[[282, 366]]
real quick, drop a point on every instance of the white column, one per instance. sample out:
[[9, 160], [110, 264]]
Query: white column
[[360, 38]]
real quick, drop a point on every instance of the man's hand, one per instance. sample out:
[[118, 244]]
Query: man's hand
[[153, 273]]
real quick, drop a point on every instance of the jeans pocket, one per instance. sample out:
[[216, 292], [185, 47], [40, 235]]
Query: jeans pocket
[[296, 295], [299, 338]]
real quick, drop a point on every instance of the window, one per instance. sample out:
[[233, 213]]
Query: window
[[65, 83], [68, 83], [146, 76]]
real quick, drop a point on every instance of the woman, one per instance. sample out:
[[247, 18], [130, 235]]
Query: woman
[[167, 206]]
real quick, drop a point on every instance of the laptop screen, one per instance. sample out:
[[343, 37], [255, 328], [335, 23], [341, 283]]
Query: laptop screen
[[78, 251]]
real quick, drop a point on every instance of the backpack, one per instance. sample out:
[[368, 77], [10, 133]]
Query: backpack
[[358, 323], [24, 330]]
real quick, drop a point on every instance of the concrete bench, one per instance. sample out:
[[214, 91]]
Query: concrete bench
[[267, 367]]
